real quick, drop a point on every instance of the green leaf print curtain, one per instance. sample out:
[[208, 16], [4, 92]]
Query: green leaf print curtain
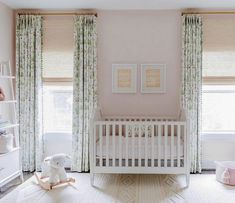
[[28, 67], [84, 88], [191, 83]]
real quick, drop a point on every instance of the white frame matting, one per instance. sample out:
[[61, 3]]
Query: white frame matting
[[162, 69], [133, 79]]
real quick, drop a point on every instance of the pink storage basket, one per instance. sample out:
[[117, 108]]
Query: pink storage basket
[[225, 172]]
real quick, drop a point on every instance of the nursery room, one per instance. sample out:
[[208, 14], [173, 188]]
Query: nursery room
[[117, 101]]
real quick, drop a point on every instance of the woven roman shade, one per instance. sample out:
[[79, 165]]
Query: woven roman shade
[[58, 46], [219, 49]]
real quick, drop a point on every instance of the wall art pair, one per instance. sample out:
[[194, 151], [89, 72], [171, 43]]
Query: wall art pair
[[124, 78]]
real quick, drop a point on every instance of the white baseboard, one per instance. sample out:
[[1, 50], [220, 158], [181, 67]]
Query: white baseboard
[[208, 164]]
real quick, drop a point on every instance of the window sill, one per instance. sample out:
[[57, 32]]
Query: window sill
[[215, 136], [60, 132], [58, 136]]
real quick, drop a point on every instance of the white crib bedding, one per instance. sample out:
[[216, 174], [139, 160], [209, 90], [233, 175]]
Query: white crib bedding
[[139, 153]]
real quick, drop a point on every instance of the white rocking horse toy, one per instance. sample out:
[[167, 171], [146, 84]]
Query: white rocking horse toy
[[53, 172]]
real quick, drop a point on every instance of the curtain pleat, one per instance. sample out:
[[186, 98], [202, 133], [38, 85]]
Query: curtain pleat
[[84, 88], [192, 82], [28, 67]]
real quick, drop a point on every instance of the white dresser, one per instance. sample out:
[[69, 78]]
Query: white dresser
[[9, 166]]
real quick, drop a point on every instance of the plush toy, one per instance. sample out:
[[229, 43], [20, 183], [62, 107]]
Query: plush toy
[[2, 95], [53, 167]]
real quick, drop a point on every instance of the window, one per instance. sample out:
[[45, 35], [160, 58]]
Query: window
[[57, 56], [57, 108], [218, 109], [218, 90]]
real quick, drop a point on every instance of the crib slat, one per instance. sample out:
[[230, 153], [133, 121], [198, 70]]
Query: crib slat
[[120, 145], [114, 144], [165, 144], [94, 140], [139, 148], [159, 145], [146, 145], [101, 144], [127, 144], [172, 145], [107, 145], [133, 145], [184, 144], [152, 134], [178, 145]]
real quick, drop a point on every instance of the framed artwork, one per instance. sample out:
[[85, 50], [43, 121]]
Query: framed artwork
[[124, 78], [153, 78]]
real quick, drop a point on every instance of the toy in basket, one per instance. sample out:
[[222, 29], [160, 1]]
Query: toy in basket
[[53, 172], [2, 95]]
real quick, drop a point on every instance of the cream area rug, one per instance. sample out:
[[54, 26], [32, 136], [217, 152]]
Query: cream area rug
[[127, 189]]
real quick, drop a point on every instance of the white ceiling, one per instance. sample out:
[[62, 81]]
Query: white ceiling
[[119, 4]]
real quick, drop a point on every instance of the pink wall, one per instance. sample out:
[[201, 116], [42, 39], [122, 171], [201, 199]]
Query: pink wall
[[139, 37], [6, 33]]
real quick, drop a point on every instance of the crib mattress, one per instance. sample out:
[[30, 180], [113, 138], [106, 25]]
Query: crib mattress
[[139, 150]]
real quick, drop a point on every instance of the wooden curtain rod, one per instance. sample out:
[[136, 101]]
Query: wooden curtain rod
[[211, 12], [58, 14]]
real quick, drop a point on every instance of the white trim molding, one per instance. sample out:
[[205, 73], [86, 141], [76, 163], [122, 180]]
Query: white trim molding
[[223, 136]]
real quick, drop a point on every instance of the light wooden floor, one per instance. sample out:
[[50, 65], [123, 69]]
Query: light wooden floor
[[13, 184], [129, 189]]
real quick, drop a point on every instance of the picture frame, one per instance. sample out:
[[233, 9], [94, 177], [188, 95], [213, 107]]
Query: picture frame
[[153, 78], [124, 78]]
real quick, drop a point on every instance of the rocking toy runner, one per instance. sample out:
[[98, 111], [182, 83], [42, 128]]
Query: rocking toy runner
[[48, 186]]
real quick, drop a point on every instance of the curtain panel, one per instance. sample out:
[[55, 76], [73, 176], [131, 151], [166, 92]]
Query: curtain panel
[[84, 88], [28, 90], [192, 82]]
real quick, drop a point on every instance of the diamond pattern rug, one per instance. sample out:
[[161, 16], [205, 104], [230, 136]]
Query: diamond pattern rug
[[126, 189]]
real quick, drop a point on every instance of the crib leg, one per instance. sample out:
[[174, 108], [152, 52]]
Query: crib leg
[[187, 179], [92, 178]]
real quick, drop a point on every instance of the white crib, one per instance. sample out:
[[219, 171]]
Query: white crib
[[140, 145]]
